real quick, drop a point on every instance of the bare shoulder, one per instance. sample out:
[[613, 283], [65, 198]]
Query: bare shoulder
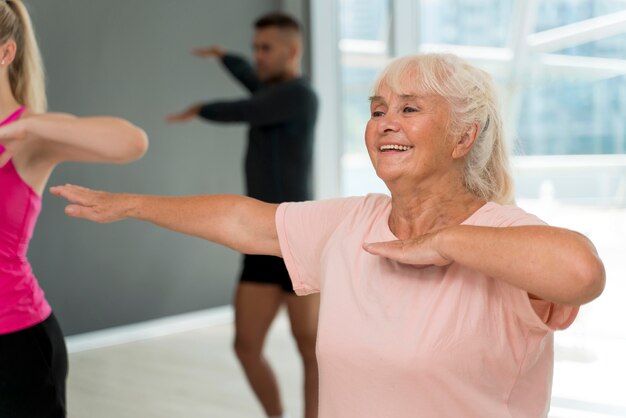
[[32, 160]]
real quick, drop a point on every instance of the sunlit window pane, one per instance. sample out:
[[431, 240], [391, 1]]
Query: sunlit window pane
[[365, 20], [573, 118], [555, 13], [612, 47], [466, 22]]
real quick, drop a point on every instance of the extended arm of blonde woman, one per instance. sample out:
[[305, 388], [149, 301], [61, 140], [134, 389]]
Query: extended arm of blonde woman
[[554, 264], [57, 137], [241, 223]]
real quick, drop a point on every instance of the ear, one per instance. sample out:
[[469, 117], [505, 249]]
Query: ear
[[294, 47], [294, 51], [466, 141], [7, 53]]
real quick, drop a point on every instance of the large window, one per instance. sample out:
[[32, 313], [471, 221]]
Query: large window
[[560, 66]]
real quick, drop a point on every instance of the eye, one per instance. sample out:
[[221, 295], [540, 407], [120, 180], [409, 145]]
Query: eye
[[409, 109], [377, 113]]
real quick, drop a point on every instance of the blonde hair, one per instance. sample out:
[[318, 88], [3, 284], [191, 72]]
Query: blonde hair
[[472, 98], [26, 75]]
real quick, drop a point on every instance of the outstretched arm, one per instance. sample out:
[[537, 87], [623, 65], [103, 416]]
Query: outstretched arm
[[239, 67], [279, 104], [241, 223], [554, 264], [56, 137]]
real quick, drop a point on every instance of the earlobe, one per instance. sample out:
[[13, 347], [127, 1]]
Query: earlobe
[[8, 53]]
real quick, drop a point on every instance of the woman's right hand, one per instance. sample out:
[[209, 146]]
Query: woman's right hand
[[93, 205]]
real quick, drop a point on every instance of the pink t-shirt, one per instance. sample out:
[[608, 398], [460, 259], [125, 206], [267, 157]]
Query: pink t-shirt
[[22, 302], [396, 341]]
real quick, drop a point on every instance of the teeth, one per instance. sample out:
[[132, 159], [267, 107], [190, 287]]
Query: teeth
[[395, 147]]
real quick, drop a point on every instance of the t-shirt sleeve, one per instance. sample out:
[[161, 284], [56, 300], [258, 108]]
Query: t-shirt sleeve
[[303, 229], [535, 313]]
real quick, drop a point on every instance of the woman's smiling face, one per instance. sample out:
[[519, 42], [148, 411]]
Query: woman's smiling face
[[407, 136]]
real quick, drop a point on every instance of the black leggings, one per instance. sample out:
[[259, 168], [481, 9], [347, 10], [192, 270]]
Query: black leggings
[[33, 371]]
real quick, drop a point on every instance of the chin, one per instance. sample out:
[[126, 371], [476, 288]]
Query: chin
[[387, 176]]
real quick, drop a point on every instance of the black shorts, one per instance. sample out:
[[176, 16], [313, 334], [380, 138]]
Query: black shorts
[[33, 371], [266, 269]]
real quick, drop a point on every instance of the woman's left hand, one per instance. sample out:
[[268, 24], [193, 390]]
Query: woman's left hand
[[420, 252], [12, 136]]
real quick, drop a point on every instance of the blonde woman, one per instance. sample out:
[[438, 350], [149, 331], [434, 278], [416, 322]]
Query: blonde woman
[[33, 358], [440, 300]]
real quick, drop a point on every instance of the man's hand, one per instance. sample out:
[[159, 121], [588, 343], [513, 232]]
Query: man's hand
[[184, 116], [210, 52]]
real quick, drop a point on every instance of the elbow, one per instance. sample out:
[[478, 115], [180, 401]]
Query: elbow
[[136, 145], [139, 144], [591, 279]]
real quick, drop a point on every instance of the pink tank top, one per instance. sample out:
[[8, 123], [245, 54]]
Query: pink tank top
[[22, 302]]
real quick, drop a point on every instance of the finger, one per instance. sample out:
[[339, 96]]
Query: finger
[[82, 212], [200, 52], [389, 249], [74, 194], [175, 119], [59, 190]]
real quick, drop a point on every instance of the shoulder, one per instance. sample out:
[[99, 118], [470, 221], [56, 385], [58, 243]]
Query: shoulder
[[28, 113], [342, 208], [366, 209], [300, 87], [498, 215]]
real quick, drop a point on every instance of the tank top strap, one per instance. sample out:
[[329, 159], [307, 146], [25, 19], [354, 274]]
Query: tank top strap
[[14, 116]]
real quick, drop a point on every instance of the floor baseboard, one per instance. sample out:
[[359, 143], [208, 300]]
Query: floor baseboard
[[149, 329]]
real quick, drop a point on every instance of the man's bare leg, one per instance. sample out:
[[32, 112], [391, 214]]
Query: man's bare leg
[[256, 305]]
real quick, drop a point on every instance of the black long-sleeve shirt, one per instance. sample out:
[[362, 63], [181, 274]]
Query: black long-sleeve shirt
[[282, 117]]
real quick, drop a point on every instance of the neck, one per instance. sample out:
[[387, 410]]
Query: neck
[[289, 74], [423, 211], [8, 104]]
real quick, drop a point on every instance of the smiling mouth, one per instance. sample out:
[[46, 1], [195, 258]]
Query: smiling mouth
[[387, 148]]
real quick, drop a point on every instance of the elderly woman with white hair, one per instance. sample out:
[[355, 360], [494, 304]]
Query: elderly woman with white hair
[[438, 301]]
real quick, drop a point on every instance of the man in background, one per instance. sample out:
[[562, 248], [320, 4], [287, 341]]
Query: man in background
[[281, 113]]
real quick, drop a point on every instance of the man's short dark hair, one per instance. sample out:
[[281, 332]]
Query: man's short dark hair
[[278, 20]]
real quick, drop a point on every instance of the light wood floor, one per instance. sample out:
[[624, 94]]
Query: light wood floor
[[191, 374]]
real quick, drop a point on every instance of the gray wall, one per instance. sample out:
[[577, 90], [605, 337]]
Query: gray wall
[[131, 58]]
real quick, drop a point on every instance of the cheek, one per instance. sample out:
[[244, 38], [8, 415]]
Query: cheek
[[370, 133]]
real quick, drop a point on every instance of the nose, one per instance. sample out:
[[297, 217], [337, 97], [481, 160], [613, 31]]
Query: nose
[[388, 124]]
